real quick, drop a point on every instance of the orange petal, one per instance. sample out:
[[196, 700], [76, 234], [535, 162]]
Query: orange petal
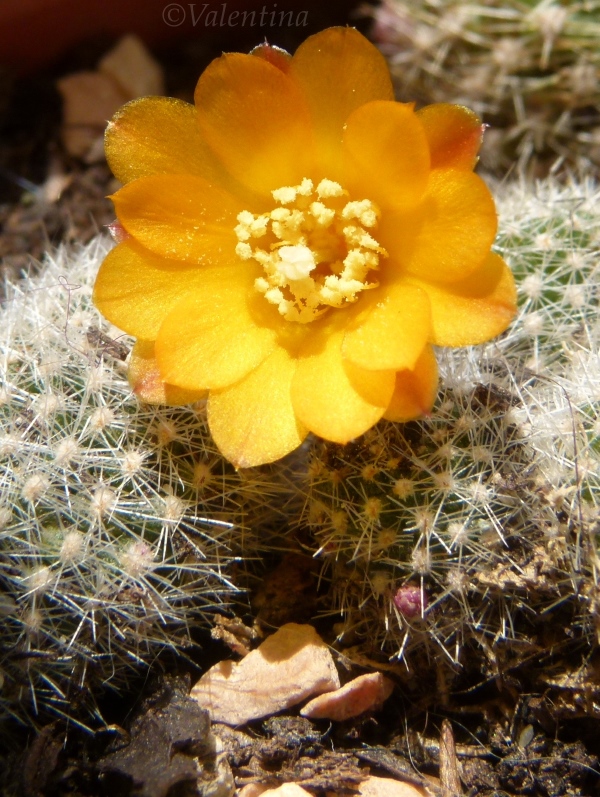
[[387, 154], [210, 339], [415, 390], [334, 398], [158, 135], [449, 235], [392, 331], [136, 289], [147, 383], [181, 217], [474, 309], [338, 70], [255, 119], [454, 134], [253, 422]]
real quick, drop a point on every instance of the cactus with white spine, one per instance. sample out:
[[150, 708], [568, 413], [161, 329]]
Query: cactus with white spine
[[119, 522], [441, 531]]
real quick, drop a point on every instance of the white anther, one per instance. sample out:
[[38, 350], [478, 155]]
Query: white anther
[[323, 215], [285, 195], [274, 295], [243, 250], [296, 262], [258, 228], [305, 188], [363, 211], [328, 189]]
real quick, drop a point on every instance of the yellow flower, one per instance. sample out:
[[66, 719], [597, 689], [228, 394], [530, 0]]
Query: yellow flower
[[297, 242]]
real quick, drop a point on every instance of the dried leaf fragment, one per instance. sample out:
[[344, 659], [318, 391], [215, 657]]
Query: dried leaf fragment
[[365, 693], [386, 787]]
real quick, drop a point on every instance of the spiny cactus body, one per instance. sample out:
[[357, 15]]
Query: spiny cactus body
[[119, 522], [446, 530]]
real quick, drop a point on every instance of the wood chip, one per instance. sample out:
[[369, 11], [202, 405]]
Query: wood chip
[[449, 777], [365, 693], [287, 668]]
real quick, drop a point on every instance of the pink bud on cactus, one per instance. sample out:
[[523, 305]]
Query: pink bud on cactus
[[411, 601]]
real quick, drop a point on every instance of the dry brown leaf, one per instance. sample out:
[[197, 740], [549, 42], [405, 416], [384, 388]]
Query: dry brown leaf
[[89, 100], [287, 668], [130, 64]]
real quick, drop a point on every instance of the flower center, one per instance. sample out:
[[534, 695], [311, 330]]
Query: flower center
[[314, 247]]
